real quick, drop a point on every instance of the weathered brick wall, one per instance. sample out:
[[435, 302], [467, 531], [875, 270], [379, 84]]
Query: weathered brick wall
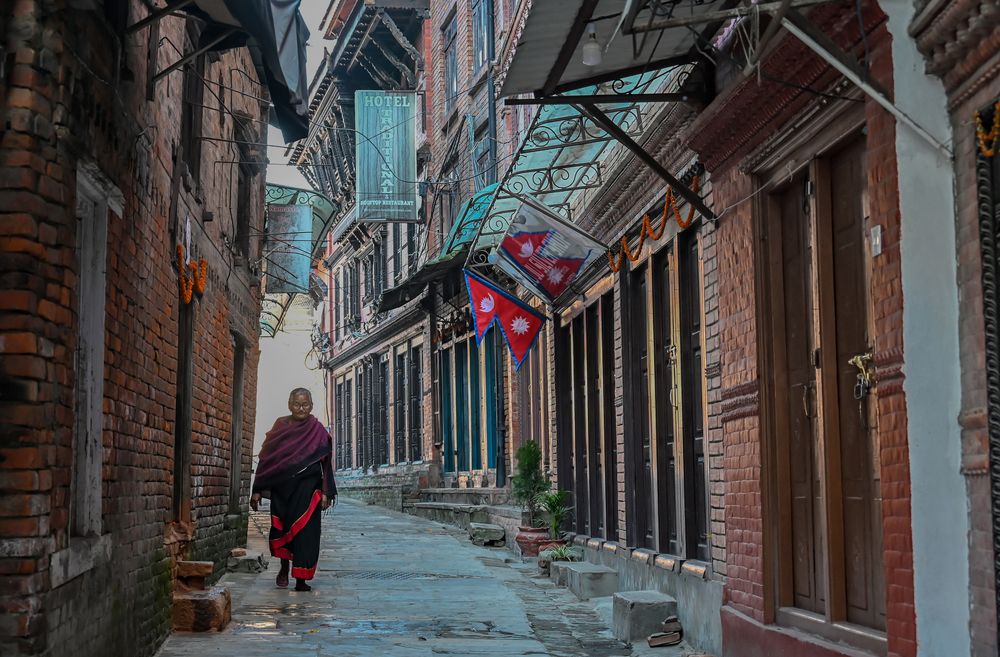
[[66, 107], [765, 110]]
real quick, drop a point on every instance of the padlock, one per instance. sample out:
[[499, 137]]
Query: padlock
[[861, 388]]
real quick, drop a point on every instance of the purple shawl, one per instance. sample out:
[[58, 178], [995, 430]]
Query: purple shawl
[[289, 447]]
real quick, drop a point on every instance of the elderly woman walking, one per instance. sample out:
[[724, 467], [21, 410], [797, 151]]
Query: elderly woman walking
[[295, 472]]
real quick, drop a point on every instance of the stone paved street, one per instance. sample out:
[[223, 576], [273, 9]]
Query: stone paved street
[[393, 585]]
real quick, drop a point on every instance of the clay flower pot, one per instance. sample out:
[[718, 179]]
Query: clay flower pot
[[529, 539]]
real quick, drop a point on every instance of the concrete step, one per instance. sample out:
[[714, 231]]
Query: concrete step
[[587, 580], [638, 614], [489, 496], [461, 515], [486, 534]]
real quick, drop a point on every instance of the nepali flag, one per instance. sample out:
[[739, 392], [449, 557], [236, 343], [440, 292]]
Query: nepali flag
[[545, 253], [519, 322]]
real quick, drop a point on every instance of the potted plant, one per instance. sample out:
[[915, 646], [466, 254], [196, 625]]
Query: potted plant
[[526, 486], [559, 553], [554, 505]]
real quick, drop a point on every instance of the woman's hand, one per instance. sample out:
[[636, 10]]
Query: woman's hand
[[255, 501], [326, 501]]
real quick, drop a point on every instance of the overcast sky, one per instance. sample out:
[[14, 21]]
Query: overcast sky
[[278, 171]]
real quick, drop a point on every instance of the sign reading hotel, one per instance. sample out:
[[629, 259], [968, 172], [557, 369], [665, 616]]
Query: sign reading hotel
[[288, 249], [386, 156]]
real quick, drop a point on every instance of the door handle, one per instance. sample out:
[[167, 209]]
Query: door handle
[[806, 406]]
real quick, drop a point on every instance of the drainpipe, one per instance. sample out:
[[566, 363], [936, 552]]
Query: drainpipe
[[498, 373]]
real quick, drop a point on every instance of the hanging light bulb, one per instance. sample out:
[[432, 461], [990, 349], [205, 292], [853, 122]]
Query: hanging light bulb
[[592, 51]]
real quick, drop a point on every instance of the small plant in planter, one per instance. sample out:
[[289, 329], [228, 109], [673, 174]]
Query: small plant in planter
[[526, 486], [554, 504], [530, 481], [558, 553]]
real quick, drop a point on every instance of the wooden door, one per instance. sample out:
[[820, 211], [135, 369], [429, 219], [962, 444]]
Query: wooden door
[[640, 429], [447, 430], [797, 399], [610, 436], [860, 485], [664, 357], [595, 470], [580, 490]]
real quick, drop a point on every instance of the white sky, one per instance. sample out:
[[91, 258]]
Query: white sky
[[278, 171]]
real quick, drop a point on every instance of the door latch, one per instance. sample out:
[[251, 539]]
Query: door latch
[[866, 374]]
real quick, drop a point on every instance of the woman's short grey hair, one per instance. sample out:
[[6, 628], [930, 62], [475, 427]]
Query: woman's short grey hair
[[300, 391]]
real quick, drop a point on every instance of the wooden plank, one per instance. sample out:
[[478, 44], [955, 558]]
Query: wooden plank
[[828, 396]]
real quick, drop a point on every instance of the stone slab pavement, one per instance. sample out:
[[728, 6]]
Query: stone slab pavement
[[393, 585]]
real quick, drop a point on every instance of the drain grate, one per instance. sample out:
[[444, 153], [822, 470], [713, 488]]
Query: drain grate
[[381, 574]]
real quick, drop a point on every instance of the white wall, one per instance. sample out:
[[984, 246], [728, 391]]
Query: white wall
[[931, 345], [282, 368]]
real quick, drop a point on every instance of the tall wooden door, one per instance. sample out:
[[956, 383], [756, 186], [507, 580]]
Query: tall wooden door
[[797, 398], [829, 519], [860, 479]]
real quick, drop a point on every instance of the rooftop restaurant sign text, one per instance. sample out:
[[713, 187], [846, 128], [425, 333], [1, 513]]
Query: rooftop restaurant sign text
[[386, 156]]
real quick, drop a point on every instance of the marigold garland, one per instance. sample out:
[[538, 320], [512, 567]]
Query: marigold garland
[[988, 140], [197, 280], [647, 230]]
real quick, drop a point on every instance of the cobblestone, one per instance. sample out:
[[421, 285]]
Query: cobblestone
[[393, 585]]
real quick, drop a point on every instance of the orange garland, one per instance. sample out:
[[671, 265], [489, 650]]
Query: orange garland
[[669, 204], [988, 140], [198, 279]]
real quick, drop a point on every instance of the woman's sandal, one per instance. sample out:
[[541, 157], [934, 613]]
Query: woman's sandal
[[281, 580], [300, 585]]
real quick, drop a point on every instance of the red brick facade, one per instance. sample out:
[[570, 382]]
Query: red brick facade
[[734, 149], [74, 114]]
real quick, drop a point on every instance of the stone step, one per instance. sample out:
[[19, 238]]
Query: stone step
[[587, 580], [202, 611], [638, 614], [489, 496], [486, 534]]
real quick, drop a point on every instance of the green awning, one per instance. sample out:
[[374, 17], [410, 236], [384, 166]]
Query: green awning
[[275, 306], [456, 246]]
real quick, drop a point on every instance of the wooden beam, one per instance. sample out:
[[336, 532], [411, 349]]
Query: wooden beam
[[400, 38], [157, 15]]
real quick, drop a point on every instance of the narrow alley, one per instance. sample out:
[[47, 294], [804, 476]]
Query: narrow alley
[[392, 585]]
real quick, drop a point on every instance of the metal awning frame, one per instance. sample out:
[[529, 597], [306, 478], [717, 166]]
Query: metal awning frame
[[616, 111], [787, 14]]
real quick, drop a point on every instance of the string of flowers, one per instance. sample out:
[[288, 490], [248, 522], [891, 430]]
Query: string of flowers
[[198, 279], [988, 140], [670, 205]]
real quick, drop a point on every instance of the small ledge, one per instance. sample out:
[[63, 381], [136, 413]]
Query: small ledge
[[697, 569], [82, 555]]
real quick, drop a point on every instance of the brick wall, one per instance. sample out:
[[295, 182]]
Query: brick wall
[[66, 109], [765, 111]]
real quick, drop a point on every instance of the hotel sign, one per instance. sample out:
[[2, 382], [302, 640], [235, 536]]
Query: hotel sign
[[288, 249], [386, 156]]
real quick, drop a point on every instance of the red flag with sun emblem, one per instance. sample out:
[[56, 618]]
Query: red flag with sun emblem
[[519, 322], [544, 252]]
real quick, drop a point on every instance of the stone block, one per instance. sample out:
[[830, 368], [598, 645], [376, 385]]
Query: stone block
[[557, 572], [246, 564], [586, 580], [195, 568], [238, 552], [638, 614], [486, 534], [202, 611]]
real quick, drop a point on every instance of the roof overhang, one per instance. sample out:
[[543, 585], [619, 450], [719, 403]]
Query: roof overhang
[[549, 55], [274, 32]]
